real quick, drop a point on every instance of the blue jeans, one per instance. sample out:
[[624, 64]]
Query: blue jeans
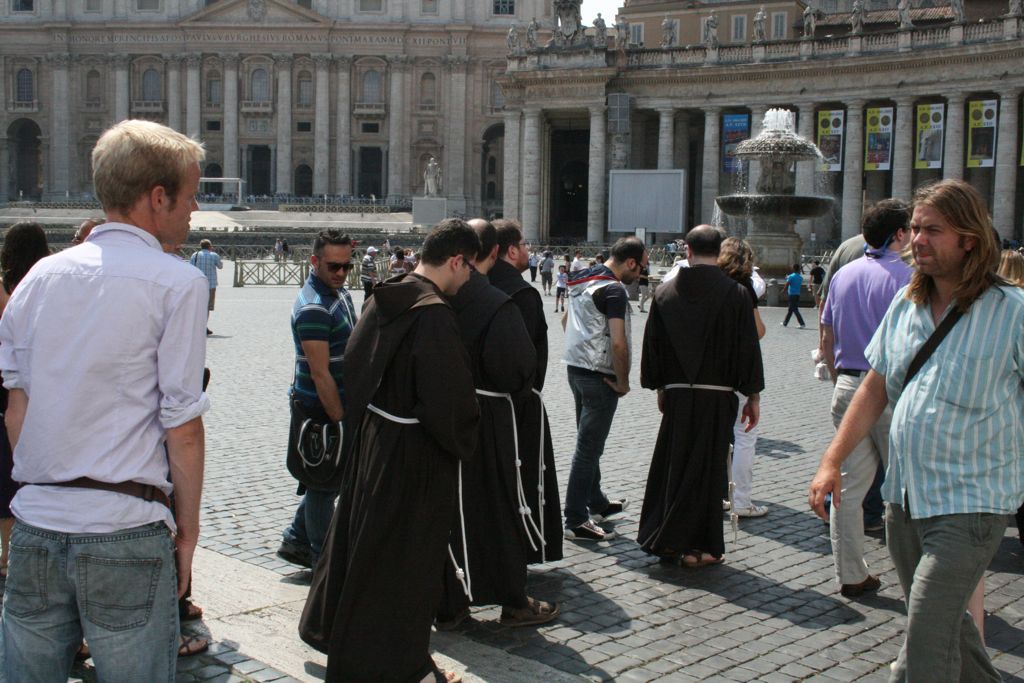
[[794, 309], [119, 591], [595, 408], [312, 520]]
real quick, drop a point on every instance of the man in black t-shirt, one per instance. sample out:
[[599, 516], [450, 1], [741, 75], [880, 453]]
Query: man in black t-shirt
[[817, 280]]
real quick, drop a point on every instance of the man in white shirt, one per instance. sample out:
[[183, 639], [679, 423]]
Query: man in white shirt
[[102, 349]]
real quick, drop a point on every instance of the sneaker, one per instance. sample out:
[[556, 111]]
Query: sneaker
[[752, 511], [783, 324], [855, 590], [614, 509], [296, 554], [803, 327], [588, 531]]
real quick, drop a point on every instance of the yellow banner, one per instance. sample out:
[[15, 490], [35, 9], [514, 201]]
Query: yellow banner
[[878, 139], [930, 124], [981, 138]]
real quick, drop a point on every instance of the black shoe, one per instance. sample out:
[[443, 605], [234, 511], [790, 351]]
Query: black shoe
[[855, 590], [296, 554], [208, 332], [614, 509]]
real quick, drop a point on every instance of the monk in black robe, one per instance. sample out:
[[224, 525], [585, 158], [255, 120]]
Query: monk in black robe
[[496, 525], [700, 331], [412, 417], [535, 447]]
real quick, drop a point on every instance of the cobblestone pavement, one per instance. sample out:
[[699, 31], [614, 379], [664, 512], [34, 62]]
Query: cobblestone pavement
[[770, 613]]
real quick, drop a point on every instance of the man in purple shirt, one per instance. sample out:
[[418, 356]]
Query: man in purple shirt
[[858, 298]]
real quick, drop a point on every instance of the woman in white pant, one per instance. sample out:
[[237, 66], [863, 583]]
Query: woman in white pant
[[736, 260]]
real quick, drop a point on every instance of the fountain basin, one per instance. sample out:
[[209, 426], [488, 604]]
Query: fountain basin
[[784, 206]]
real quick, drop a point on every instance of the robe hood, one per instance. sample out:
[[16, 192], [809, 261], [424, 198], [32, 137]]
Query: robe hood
[[398, 294]]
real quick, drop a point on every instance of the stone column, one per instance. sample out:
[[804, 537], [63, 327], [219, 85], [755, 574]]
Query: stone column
[[681, 157], [1007, 151], [284, 123], [60, 119], [396, 107], [321, 126], [510, 193], [455, 182], [953, 157], [805, 170], [710, 167], [754, 167], [173, 63], [5, 178], [903, 149], [531, 175], [853, 169], [343, 141], [193, 101], [120, 63], [597, 197], [666, 137], [230, 105]]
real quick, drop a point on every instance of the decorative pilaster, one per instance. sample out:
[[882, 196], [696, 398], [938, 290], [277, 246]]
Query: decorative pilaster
[[231, 166], [455, 183], [173, 63], [510, 193], [321, 125], [60, 150], [283, 65], [1007, 151], [805, 169], [711, 165], [531, 175], [343, 141], [666, 137], [853, 169], [396, 129], [903, 149], [597, 175], [120, 63], [193, 103], [953, 158]]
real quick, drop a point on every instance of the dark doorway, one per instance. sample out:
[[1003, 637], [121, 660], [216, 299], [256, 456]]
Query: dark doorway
[[259, 170], [371, 178], [303, 181], [569, 168], [491, 176], [23, 143], [213, 171]]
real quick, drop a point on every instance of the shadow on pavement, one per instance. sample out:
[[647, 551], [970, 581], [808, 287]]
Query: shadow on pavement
[[778, 449], [317, 671], [1009, 558]]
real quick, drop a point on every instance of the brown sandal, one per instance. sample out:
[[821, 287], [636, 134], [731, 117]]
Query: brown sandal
[[192, 612], [189, 646], [535, 612]]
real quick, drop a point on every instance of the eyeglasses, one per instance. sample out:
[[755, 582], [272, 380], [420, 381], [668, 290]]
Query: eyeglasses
[[335, 267]]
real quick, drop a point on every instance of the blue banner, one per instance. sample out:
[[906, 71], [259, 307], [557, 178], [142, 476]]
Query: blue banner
[[735, 129]]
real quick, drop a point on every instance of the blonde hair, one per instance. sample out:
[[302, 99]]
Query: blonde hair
[[134, 156], [964, 209], [736, 258], [1011, 267]]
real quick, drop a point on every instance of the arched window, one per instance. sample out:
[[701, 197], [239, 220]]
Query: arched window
[[371, 86], [428, 89], [92, 87], [305, 93], [213, 89], [23, 91], [492, 165], [259, 86], [151, 85]]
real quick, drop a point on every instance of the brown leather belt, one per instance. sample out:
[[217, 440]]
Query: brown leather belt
[[146, 492]]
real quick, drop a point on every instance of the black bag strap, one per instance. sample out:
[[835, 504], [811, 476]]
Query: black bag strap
[[932, 343]]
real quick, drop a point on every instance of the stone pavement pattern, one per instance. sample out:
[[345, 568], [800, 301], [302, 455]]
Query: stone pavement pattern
[[770, 613]]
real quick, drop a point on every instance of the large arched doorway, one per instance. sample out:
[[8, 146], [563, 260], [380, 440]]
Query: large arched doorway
[[303, 181], [25, 160], [259, 170], [492, 167], [213, 171]]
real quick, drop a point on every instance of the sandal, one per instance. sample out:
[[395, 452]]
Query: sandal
[[191, 612], [535, 612], [707, 559], [192, 645], [690, 560]]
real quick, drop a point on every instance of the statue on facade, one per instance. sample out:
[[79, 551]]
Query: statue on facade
[[760, 19], [1015, 8], [959, 14], [810, 21], [432, 179], [600, 32], [668, 32], [857, 17], [569, 23], [903, 10], [531, 33], [711, 31], [621, 34], [512, 39]]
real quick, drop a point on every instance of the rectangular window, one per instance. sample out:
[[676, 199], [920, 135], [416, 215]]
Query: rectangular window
[[636, 34], [93, 5], [371, 5], [23, 6], [305, 92], [779, 26], [428, 6], [303, 127], [213, 125], [371, 127], [739, 28], [213, 92], [505, 7], [147, 5]]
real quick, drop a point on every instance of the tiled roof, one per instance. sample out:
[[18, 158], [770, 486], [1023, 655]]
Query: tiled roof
[[889, 16]]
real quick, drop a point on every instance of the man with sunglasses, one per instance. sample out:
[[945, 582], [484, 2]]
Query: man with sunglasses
[[322, 320]]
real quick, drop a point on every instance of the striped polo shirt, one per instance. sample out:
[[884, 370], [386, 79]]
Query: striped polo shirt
[[957, 439], [320, 314]]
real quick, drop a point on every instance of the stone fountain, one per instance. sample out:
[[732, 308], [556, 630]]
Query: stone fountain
[[773, 207]]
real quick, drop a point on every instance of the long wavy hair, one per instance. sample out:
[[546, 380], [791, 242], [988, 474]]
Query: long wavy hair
[[1011, 267], [24, 244], [964, 209], [736, 259]]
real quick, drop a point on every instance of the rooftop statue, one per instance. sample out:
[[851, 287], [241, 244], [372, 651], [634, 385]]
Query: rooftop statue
[[668, 32], [903, 10], [857, 17], [711, 31], [531, 33], [959, 14], [569, 26], [621, 34], [810, 21], [760, 18], [512, 39], [600, 31]]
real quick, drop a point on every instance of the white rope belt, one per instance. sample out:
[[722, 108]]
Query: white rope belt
[[461, 574], [709, 387], [524, 508], [541, 467]]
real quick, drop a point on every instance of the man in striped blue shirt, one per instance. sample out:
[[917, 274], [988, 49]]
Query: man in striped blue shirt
[[956, 445], [209, 263], [322, 320]]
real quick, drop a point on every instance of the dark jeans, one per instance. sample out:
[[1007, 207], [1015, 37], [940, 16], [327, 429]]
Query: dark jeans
[[794, 309], [595, 409], [367, 289], [533, 273], [312, 521], [874, 508]]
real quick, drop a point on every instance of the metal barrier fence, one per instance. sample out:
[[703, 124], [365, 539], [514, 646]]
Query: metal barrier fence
[[271, 273]]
